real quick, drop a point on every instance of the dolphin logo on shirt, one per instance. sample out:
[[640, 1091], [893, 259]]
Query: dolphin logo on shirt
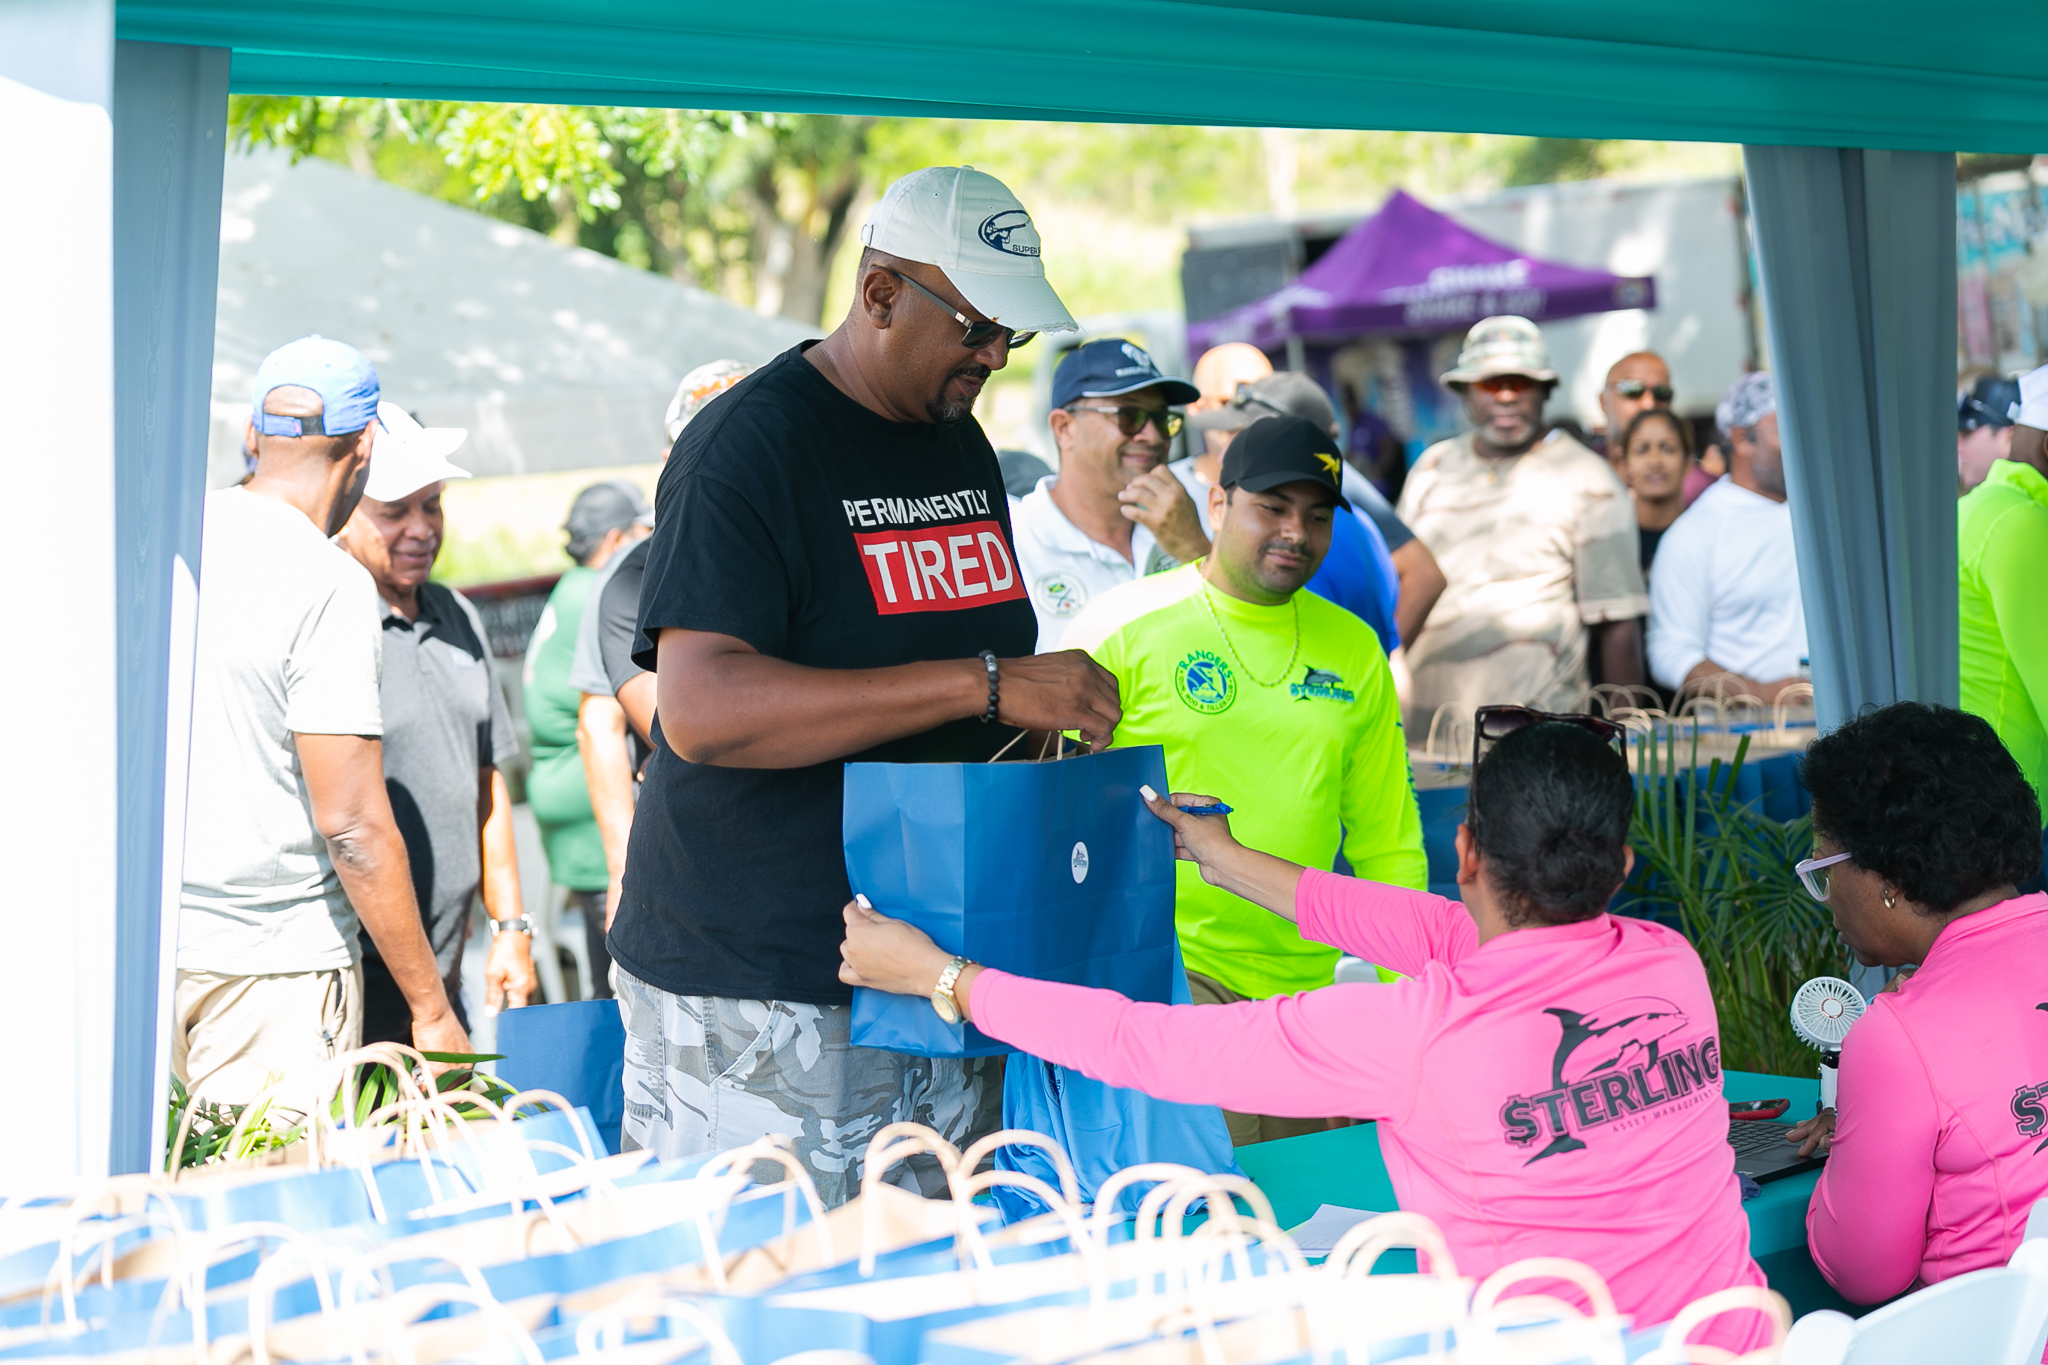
[[1609, 1049]]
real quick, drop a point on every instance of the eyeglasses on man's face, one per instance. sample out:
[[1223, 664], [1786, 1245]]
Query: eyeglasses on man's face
[[978, 333], [1636, 388], [1814, 874], [1131, 419]]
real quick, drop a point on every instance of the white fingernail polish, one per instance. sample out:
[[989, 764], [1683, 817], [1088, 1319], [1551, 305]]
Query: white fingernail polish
[[862, 901], [1149, 794]]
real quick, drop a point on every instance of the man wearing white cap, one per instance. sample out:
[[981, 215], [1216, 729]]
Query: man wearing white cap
[[832, 576], [2002, 540], [289, 836], [1536, 539], [446, 732]]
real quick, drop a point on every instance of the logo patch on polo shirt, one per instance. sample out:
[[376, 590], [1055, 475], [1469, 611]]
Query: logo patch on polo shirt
[[1205, 682], [1320, 684], [1059, 596]]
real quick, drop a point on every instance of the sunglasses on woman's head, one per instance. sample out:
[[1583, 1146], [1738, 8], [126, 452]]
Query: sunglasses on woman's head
[[1636, 388], [1492, 724], [978, 334]]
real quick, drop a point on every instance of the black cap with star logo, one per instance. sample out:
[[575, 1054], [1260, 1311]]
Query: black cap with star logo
[[1278, 450]]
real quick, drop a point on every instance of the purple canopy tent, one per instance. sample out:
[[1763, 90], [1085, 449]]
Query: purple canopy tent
[[1411, 270]]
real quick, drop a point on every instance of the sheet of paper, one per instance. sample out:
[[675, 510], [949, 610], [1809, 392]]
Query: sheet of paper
[[1319, 1235]]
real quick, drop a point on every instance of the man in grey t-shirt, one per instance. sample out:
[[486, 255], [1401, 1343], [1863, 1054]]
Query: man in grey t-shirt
[[289, 835], [446, 731]]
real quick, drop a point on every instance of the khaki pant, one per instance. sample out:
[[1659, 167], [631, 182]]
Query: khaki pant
[[229, 1034], [1246, 1129]]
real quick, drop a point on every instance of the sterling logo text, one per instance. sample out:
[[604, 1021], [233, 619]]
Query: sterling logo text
[[1571, 1110]]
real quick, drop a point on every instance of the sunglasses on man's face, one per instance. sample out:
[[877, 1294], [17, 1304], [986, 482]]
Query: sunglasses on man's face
[[978, 334], [1131, 420], [1492, 724], [1505, 385], [1636, 388]]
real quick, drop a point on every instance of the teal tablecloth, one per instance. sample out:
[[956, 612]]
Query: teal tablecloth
[[1344, 1167]]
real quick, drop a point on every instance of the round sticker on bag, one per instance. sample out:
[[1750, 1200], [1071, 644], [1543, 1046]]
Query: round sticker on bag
[[1080, 863]]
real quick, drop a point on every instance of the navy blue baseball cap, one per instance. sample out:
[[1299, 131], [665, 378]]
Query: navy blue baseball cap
[[337, 371], [1991, 402], [1111, 369]]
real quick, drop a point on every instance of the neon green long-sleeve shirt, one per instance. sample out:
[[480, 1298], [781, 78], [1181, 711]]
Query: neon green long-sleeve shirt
[[2002, 540], [1318, 752]]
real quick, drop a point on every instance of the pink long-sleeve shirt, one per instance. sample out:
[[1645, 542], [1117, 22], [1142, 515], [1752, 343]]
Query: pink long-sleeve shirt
[[1554, 1093], [1941, 1113]]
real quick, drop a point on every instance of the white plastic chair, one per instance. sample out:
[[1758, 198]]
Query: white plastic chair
[[1987, 1317]]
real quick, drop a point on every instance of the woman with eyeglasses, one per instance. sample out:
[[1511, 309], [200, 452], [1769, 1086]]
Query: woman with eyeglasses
[[1546, 1076], [1938, 1146]]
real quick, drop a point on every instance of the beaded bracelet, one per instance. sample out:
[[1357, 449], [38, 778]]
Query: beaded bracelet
[[988, 661]]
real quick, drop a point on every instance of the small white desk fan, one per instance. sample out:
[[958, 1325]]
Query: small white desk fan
[[1822, 1011]]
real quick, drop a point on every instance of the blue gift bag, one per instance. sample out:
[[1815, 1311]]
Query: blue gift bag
[[1050, 870], [577, 1050]]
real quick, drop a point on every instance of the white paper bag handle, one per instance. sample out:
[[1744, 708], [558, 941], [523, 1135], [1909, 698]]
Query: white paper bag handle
[[1674, 1349], [895, 1143], [1070, 1188], [591, 1333], [1105, 1214], [1362, 1244], [732, 1166]]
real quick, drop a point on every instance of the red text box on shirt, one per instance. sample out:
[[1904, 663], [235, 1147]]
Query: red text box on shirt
[[940, 568]]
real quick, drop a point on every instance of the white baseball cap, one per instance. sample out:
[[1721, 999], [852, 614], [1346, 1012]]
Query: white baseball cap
[[968, 224], [407, 456], [2033, 406]]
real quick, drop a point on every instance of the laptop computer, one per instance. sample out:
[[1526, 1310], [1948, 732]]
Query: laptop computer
[[1762, 1154]]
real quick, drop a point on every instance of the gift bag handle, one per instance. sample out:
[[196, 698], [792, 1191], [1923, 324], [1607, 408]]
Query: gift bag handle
[[1674, 1349], [1147, 1172], [1362, 1244], [731, 1166], [893, 1144], [612, 1320], [1070, 1188]]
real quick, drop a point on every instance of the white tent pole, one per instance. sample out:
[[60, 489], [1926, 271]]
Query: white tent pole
[[58, 841], [170, 130]]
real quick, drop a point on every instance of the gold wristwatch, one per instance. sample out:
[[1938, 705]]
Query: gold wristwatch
[[942, 994]]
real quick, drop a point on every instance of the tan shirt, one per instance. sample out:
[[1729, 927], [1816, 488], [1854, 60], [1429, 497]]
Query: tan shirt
[[1534, 549]]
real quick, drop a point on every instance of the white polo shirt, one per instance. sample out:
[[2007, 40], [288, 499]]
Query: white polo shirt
[[1063, 569]]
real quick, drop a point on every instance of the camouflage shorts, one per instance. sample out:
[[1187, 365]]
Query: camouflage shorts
[[706, 1074]]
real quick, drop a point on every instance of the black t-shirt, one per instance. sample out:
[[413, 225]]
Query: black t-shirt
[[797, 520], [618, 633], [1646, 539]]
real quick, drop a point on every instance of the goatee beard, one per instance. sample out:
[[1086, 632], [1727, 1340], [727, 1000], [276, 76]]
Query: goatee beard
[[947, 411]]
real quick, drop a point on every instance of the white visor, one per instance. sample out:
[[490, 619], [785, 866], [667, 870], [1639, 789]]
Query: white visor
[[406, 456]]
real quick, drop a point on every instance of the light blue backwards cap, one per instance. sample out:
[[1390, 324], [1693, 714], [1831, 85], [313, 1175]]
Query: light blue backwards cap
[[338, 372]]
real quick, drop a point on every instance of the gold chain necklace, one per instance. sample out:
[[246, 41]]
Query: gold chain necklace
[[1285, 673]]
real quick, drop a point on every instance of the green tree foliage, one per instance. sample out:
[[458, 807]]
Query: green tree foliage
[[752, 205]]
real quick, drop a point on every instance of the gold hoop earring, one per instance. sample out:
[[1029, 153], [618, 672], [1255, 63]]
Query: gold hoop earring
[[1890, 899]]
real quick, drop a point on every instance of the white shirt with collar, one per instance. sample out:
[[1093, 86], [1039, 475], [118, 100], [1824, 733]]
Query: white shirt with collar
[[1064, 570], [1725, 586]]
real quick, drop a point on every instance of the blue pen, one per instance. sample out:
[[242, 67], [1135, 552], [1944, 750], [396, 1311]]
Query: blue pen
[[1218, 809]]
